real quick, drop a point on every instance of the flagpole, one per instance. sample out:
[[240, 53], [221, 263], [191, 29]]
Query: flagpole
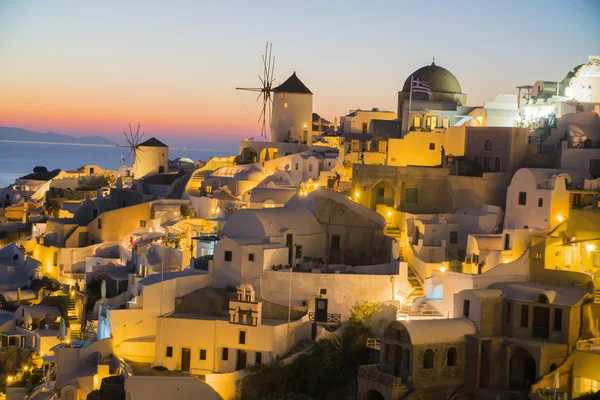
[[409, 103]]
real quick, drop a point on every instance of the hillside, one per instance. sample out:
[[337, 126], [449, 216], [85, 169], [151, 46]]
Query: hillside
[[23, 135]]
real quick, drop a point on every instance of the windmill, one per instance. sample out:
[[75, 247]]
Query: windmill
[[264, 92], [133, 143]]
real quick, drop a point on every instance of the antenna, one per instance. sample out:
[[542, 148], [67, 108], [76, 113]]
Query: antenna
[[133, 142], [264, 92]]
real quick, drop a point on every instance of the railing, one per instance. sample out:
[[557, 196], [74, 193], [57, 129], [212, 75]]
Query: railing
[[374, 343], [374, 374], [590, 345], [331, 318]]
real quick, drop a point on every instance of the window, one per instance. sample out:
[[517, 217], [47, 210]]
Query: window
[[228, 255], [296, 167], [169, 352], [428, 122], [209, 189], [428, 359], [487, 145], [522, 198], [142, 223], [453, 237], [538, 256], [596, 259], [431, 146], [282, 96], [577, 200], [475, 258], [298, 251], [569, 257], [242, 337], [202, 354], [507, 242], [258, 360], [91, 171], [445, 123], [524, 316], [451, 357], [365, 127], [381, 192], [507, 312], [310, 167], [587, 385], [225, 354], [411, 195], [251, 257], [557, 319], [285, 105], [417, 122], [99, 223], [55, 258], [466, 308], [540, 202]]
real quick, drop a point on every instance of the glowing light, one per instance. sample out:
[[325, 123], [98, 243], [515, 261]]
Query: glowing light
[[590, 247], [10, 378], [356, 195], [389, 213], [25, 368], [72, 293], [480, 120], [68, 341], [560, 218], [506, 261], [443, 269]]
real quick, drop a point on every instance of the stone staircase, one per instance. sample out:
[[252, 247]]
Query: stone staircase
[[73, 319], [417, 291], [393, 231]]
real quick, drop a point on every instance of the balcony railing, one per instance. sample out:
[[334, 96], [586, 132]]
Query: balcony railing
[[375, 374], [331, 318], [590, 345]]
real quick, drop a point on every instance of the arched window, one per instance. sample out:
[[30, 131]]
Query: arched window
[[542, 298], [553, 367], [487, 145], [428, 359], [451, 357], [417, 122]]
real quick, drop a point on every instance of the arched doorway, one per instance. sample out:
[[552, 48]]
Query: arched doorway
[[249, 155], [268, 154], [382, 193], [373, 395], [523, 370]]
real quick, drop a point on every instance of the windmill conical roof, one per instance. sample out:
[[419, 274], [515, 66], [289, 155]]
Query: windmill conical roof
[[292, 85], [153, 142]]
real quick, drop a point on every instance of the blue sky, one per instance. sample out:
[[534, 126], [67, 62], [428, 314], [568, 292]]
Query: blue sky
[[90, 67]]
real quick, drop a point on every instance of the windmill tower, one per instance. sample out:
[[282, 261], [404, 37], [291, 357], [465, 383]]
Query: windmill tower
[[288, 111], [148, 157]]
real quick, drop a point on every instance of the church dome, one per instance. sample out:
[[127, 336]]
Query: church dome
[[440, 79]]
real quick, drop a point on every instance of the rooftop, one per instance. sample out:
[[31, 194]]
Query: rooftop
[[530, 291], [292, 85], [153, 142], [436, 330]]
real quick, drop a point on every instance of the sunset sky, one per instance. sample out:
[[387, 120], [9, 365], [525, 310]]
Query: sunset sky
[[90, 67]]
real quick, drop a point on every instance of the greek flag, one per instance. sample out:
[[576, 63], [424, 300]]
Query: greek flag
[[422, 87]]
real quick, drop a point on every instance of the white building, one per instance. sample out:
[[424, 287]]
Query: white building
[[292, 112], [359, 121], [236, 332], [537, 199], [151, 157]]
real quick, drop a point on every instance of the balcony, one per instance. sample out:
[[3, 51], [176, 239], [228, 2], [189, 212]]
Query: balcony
[[376, 373]]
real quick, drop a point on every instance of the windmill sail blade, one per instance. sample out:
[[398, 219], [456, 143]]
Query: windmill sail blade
[[250, 89]]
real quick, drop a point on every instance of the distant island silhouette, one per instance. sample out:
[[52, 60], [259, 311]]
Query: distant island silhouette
[[23, 135]]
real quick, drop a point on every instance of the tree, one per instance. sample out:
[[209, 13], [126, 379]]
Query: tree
[[362, 312], [40, 169]]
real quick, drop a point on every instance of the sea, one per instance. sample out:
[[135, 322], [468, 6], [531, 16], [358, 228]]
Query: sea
[[19, 158]]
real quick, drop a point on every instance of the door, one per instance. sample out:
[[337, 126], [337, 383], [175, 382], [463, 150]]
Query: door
[[241, 360], [541, 322], [289, 242], [335, 254], [186, 355]]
